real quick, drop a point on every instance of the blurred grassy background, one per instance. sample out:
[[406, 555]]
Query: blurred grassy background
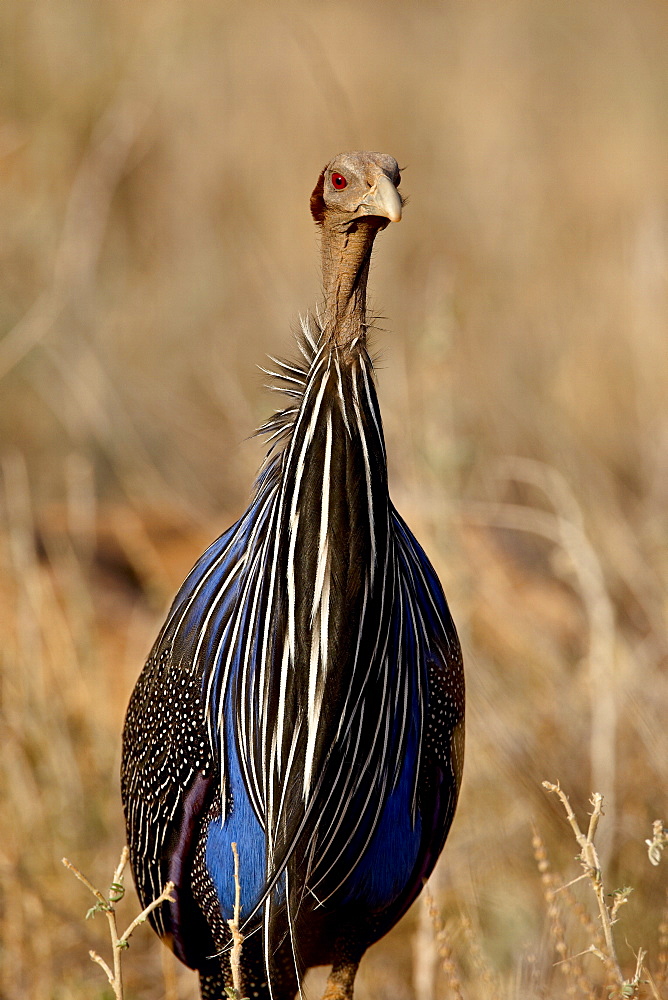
[[156, 160]]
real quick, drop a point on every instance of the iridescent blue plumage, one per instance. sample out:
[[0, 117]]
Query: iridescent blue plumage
[[305, 696]]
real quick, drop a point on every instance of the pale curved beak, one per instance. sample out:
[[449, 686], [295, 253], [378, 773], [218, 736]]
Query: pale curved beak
[[383, 199]]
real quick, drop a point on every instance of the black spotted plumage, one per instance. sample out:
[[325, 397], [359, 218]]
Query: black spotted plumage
[[305, 697]]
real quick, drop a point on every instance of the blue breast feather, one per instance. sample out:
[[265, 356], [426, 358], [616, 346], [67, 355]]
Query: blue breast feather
[[384, 862], [380, 876]]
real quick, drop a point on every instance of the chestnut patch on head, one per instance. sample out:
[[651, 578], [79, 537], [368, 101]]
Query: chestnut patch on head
[[318, 199]]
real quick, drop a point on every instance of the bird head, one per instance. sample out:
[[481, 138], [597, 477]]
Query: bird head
[[358, 185]]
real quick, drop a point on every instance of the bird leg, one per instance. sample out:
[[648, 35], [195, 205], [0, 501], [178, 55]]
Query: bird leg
[[341, 980]]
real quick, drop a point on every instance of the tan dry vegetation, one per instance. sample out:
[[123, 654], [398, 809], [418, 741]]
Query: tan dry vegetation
[[155, 164]]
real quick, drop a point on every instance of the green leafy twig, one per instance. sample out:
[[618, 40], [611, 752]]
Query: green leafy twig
[[107, 905]]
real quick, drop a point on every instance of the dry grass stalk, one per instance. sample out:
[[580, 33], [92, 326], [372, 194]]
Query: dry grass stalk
[[592, 869], [107, 905], [565, 527], [621, 988], [480, 962], [659, 840], [590, 927], [550, 882], [662, 972], [448, 964], [425, 958], [237, 937]]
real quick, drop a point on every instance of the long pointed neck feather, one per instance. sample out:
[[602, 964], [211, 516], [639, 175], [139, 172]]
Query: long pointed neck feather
[[329, 599]]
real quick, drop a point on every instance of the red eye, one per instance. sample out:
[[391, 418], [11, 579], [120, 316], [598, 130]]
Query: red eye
[[339, 181]]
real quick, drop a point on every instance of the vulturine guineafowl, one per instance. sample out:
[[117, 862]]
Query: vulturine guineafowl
[[305, 697]]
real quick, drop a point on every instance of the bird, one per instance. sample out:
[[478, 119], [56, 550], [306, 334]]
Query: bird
[[304, 699]]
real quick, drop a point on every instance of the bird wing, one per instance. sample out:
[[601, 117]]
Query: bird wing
[[168, 755]]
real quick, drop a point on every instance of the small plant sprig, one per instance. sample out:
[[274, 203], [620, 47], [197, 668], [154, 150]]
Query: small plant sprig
[[622, 989], [107, 905], [234, 992], [659, 840]]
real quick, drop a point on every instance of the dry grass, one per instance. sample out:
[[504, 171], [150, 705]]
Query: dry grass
[[155, 164], [108, 905]]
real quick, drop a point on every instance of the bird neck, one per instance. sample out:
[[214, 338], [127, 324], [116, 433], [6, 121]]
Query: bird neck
[[346, 254]]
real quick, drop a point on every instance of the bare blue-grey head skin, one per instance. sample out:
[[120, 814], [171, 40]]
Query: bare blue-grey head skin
[[305, 697]]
